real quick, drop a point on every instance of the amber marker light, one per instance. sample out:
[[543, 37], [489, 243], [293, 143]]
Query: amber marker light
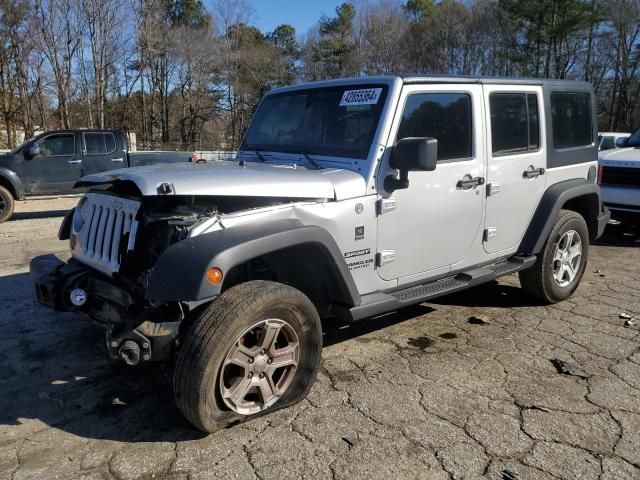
[[214, 275]]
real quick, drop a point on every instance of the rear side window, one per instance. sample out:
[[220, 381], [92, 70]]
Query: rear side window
[[444, 116], [97, 143], [62, 144], [571, 120], [515, 126]]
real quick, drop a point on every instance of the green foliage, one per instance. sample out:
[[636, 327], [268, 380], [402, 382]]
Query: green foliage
[[335, 50], [245, 36], [419, 9], [284, 38], [186, 13], [342, 24]]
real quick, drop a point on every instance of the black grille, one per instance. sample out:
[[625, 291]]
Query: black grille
[[621, 176]]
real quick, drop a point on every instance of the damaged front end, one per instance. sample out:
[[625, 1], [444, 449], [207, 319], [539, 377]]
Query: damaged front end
[[116, 237]]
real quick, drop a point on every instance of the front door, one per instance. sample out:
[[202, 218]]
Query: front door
[[438, 218], [517, 161], [56, 168]]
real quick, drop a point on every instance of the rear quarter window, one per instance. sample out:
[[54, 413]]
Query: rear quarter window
[[571, 120]]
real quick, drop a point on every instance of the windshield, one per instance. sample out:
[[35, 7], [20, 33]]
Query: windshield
[[334, 121], [634, 139]]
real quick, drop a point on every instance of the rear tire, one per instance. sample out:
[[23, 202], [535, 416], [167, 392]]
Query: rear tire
[[6, 204], [237, 344], [561, 264]]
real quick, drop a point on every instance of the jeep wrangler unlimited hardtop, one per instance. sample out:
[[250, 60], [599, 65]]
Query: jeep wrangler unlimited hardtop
[[348, 199]]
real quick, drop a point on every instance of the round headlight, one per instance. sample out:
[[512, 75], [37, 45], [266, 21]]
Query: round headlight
[[79, 215]]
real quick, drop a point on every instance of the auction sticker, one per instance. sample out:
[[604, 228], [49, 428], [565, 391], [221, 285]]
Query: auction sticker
[[366, 96]]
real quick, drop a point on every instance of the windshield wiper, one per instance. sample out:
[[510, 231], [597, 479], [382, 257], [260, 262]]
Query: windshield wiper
[[313, 162]]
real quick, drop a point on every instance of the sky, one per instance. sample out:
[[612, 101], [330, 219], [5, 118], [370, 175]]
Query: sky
[[302, 14]]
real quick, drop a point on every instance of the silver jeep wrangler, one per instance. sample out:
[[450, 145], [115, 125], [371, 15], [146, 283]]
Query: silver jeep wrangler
[[348, 199]]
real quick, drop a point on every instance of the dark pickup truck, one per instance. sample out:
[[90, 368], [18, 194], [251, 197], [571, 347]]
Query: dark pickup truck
[[51, 163]]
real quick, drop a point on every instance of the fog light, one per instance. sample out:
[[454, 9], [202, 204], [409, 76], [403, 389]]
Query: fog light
[[78, 297]]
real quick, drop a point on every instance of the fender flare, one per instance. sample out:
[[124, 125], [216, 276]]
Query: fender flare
[[180, 271], [16, 185], [552, 201]]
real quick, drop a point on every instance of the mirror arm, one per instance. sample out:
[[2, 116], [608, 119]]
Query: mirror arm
[[392, 183]]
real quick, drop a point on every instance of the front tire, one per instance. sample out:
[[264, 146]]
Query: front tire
[[561, 264], [253, 350], [6, 204]]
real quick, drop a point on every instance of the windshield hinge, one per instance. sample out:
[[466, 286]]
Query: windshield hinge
[[385, 205]]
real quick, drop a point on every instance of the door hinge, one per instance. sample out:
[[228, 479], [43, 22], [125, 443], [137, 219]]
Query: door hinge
[[493, 189], [489, 233], [385, 256], [385, 205]]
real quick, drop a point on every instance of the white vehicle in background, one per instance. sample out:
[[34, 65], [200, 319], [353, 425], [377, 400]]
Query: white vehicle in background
[[611, 140], [619, 175]]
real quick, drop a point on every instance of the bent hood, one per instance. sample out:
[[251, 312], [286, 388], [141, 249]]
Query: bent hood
[[229, 178], [620, 157]]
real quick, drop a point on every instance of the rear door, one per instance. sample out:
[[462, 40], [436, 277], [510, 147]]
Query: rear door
[[58, 166], [516, 165], [102, 152]]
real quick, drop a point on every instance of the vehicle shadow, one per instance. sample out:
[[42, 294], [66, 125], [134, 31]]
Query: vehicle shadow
[[623, 230], [37, 215], [491, 294], [54, 371]]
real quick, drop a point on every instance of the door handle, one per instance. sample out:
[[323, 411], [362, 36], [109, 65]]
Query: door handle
[[469, 182], [120, 160], [531, 172], [75, 161]]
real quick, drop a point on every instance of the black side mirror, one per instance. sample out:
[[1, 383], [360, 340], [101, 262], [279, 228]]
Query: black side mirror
[[31, 151], [412, 153], [621, 141]]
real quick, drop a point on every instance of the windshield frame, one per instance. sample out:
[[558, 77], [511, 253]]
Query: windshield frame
[[309, 149]]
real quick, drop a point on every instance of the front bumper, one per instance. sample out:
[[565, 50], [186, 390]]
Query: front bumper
[[123, 312], [622, 198]]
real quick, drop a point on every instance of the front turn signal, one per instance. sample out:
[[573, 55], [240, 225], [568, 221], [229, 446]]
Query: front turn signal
[[214, 275]]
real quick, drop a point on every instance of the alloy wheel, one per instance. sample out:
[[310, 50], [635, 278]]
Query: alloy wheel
[[566, 258], [259, 366]]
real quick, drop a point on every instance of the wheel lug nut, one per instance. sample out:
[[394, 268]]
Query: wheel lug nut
[[250, 360], [261, 375], [262, 352], [250, 375], [269, 361]]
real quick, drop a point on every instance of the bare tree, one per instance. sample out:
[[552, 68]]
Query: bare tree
[[59, 39]]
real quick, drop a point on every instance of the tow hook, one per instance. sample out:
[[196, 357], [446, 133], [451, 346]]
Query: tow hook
[[129, 352]]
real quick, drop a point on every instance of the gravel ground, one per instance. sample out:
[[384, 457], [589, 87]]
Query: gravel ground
[[460, 388]]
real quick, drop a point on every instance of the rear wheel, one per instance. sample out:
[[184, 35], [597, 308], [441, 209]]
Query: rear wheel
[[6, 204], [561, 264], [253, 350]]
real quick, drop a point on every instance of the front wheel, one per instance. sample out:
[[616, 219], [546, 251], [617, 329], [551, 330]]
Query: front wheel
[[254, 349], [6, 204], [560, 266]]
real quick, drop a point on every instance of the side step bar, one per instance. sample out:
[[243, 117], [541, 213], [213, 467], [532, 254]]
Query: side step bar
[[379, 303]]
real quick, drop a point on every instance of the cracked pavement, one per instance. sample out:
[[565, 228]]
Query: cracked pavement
[[459, 388]]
